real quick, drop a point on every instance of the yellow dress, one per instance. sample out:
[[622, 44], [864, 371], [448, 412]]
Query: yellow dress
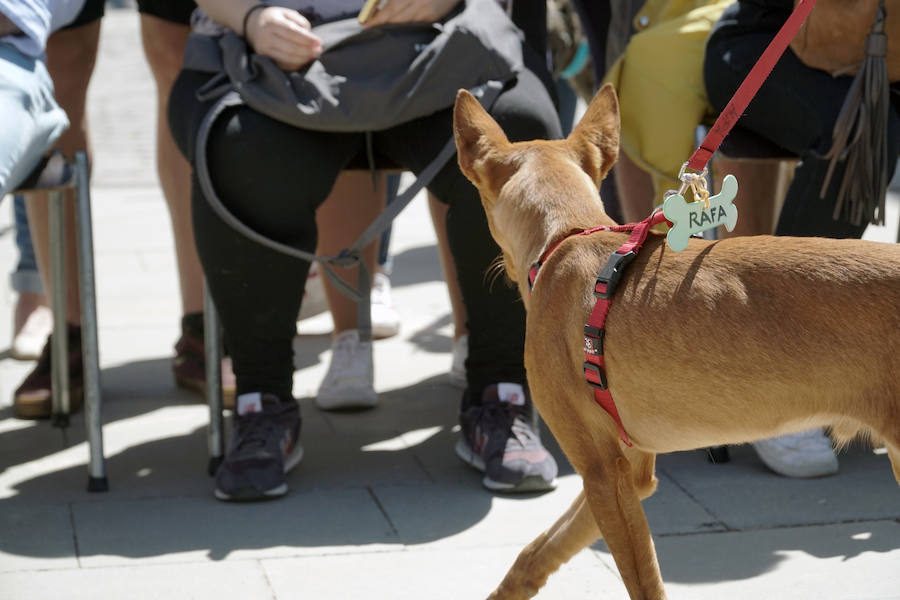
[[659, 81]]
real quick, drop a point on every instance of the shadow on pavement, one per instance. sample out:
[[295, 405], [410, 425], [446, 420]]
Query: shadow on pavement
[[387, 476]]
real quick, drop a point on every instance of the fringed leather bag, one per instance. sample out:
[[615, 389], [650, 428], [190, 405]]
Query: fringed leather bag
[[861, 38]]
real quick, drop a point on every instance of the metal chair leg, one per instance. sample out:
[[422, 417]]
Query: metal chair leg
[[213, 344], [97, 481], [59, 355]]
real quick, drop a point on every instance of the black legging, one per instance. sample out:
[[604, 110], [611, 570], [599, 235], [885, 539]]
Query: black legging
[[795, 108], [273, 177]]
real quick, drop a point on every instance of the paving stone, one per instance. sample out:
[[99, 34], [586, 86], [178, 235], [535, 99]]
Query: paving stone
[[434, 573], [176, 530], [33, 538], [197, 581], [744, 494], [851, 561]]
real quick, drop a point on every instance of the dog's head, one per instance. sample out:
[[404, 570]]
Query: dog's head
[[536, 191]]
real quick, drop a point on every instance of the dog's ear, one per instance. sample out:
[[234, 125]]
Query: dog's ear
[[597, 134], [476, 134]]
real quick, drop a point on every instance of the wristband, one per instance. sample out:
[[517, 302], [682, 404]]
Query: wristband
[[247, 14]]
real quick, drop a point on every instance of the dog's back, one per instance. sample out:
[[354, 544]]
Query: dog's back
[[789, 330]]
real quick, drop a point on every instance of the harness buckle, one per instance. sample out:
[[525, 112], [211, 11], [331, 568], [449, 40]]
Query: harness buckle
[[593, 340], [600, 384], [611, 273]]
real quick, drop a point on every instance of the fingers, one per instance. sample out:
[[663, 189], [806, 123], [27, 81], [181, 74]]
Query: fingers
[[285, 36]]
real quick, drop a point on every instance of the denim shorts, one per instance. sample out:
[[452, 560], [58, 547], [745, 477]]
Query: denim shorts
[[32, 121]]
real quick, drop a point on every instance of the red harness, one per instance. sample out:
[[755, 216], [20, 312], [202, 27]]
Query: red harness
[[604, 287]]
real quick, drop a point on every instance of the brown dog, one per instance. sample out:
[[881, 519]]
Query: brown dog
[[723, 343]]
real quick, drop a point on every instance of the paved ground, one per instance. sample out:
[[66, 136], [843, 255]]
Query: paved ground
[[380, 507]]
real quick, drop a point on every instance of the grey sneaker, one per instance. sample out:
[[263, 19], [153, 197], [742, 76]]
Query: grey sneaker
[[264, 446], [499, 438]]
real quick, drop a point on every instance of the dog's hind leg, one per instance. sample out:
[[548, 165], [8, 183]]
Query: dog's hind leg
[[893, 448], [614, 496], [573, 531]]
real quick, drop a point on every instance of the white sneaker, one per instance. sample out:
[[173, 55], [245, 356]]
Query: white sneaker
[[29, 341], [457, 374], [314, 301], [349, 382], [385, 318], [806, 454]]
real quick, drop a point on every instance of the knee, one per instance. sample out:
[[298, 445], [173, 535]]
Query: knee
[[526, 111]]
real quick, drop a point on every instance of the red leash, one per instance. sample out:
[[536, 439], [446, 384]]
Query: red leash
[[750, 86]]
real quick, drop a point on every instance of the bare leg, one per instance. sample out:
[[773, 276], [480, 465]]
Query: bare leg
[[71, 54], [352, 205], [635, 187], [26, 304], [164, 47], [762, 185], [448, 265]]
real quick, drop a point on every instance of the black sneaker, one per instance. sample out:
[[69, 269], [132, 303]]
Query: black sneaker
[[500, 439], [264, 446]]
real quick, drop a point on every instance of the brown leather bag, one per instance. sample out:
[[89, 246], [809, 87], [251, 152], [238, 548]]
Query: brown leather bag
[[833, 38]]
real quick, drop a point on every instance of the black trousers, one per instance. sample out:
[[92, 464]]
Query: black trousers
[[274, 176], [795, 108]]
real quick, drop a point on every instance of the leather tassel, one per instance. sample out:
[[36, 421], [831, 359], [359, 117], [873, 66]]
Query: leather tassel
[[860, 135]]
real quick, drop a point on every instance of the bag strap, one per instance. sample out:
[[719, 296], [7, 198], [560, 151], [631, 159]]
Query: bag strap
[[487, 93]]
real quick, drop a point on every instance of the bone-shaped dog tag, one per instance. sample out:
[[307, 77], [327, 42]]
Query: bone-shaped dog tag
[[689, 218]]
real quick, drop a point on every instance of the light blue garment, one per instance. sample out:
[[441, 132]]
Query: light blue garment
[[37, 19], [26, 277], [31, 120]]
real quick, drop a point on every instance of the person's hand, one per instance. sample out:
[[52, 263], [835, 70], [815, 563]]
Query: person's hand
[[284, 35], [411, 11]]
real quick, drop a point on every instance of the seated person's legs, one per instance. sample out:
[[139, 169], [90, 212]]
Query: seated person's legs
[[272, 177], [32, 320], [71, 54], [31, 122], [164, 32], [659, 83], [796, 108], [496, 317]]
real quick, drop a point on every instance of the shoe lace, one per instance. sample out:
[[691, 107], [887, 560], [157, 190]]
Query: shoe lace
[[254, 431], [506, 417]]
